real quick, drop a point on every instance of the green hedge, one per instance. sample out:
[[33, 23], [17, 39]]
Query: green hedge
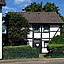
[[56, 47], [15, 52], [57, 40], [51, 46], [56, 50]]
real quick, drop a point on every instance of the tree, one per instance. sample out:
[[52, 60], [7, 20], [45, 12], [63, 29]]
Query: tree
[[17, 26], [50, 7], [33, 7]]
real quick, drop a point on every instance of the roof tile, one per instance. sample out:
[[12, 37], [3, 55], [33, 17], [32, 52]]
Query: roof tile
[[42, 17]]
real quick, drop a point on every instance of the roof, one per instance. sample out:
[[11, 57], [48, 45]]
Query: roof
[[42, 17], [2, 3]]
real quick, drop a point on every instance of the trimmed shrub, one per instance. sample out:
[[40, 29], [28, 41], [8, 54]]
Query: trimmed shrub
[[51, 46], [57, 40], [58, 52], [56, 47], [16, 52]]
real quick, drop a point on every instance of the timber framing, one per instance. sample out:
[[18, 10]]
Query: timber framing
[[41, 38]]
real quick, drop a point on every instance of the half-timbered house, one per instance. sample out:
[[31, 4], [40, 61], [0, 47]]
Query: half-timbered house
[[43, 26]]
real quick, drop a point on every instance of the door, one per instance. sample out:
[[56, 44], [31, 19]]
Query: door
[[37, 44]]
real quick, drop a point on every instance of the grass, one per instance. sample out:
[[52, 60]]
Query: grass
[[44, 56]]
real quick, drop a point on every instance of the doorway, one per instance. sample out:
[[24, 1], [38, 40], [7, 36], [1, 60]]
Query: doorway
[[37, 44]]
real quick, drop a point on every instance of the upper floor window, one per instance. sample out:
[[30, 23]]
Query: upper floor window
[[46, 28], [36, 28]]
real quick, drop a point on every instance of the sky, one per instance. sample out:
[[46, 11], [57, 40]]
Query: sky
[[18, 5]]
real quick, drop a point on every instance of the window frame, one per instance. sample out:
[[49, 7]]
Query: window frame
[[45, 43], [46, 28], [36, 28]]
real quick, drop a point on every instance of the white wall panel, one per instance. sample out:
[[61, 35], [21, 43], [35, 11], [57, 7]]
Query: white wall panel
[[30, 35], [44, 50], [45, 39], [42, 43], [30, 42], [58, 33], [37, 35], [45, 35], [46, 44], [52, 34]]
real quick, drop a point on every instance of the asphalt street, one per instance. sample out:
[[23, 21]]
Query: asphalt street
[[36, 62]]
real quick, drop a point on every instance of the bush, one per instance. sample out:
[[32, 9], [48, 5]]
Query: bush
[[16, 52], [58, 52], [56, 47], [51, 46], [57, 40]]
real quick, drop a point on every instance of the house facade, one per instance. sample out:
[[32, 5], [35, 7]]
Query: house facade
[[2, 3], [43, 27]]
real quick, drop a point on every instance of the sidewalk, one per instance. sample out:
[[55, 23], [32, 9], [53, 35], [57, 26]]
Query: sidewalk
[[30, 59]]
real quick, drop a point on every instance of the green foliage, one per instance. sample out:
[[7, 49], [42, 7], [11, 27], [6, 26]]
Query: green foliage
[[56, 47], [50, 7], [57, 52], [51, 46], [16, 52], [17, 26], [33, 7], [62, 18], [57, 40]]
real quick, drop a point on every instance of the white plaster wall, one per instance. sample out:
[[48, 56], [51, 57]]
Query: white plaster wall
[[0, 35], [45, 35], [45, 39], [58, 33], [44, 50], [30, 42], [30, 35], [42, 43], [37, 35], [46, 44], [52, 34], [54, 27]]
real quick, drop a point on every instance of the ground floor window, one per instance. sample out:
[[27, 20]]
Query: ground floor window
[[45, 44]]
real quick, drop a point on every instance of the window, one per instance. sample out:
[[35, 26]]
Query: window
[[36, 28], [46, 28], [45, 43]]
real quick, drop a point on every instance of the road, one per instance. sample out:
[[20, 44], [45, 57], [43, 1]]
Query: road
[[33, 61], [60, 61]]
